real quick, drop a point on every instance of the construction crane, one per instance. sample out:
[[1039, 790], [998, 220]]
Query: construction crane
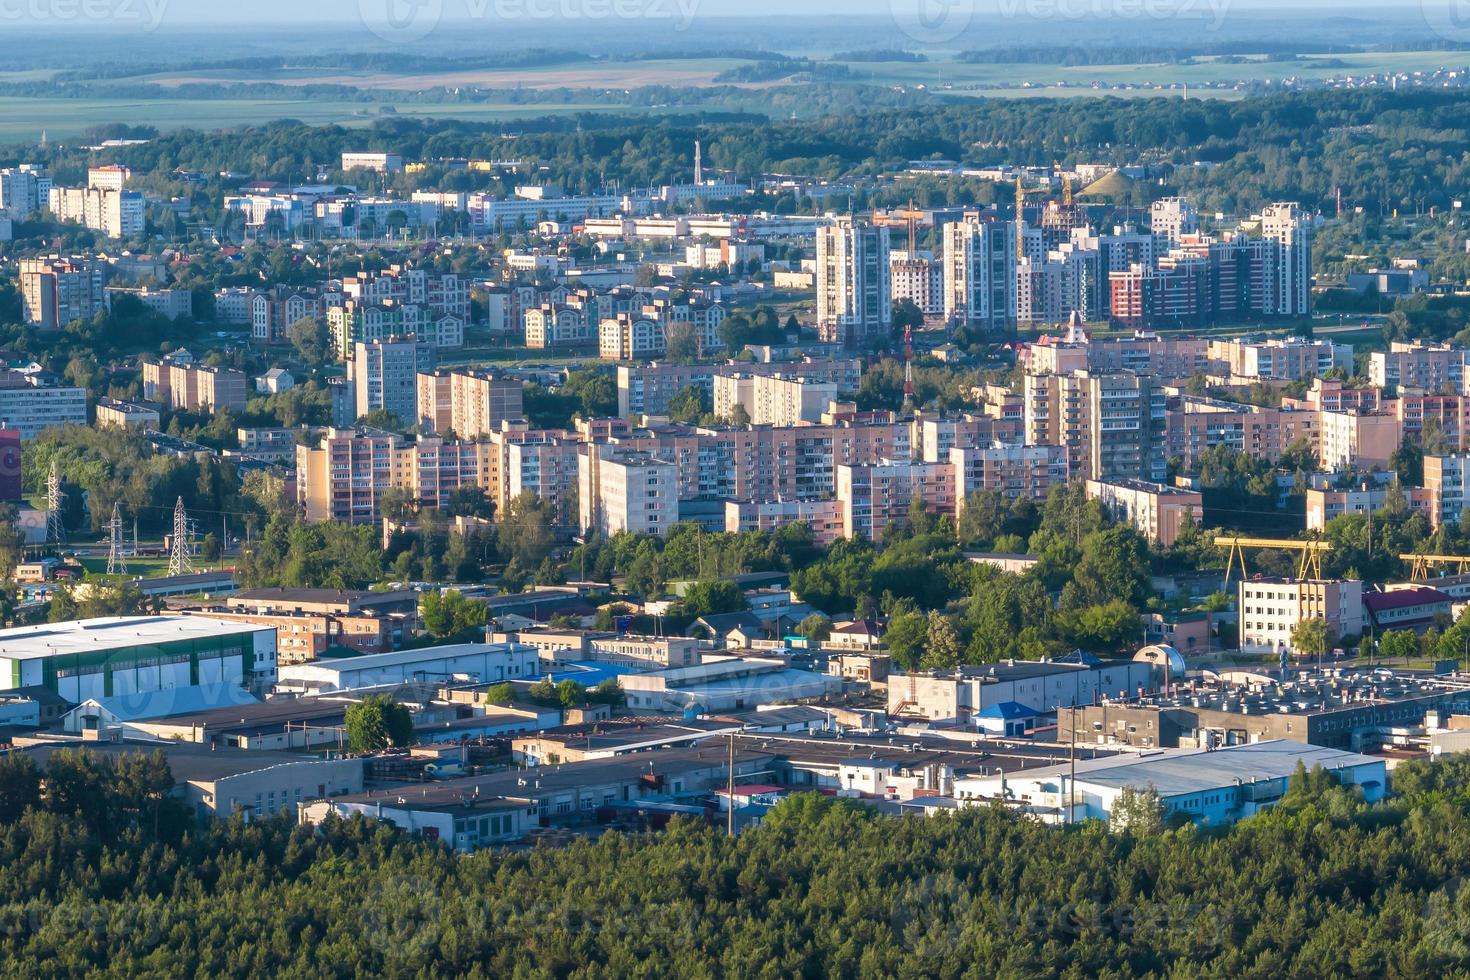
[[1309, 565], [1021, 193], [1066, 183], [1421, 564]]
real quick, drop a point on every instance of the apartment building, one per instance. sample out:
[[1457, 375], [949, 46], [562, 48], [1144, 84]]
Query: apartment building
[[979, 274], [385, 374], [114, 213], [1156, 510], [873, 496], [773, 399], [24, 190], [273, 311], [172, 303], [55, 291], [1445, 418], [1286, 231], [1172, 218], [1445, 480], [626, 337], [648, 389], [1291, 359], [1009, 469], [933, 438], [823, 517], [1113, 425], [626, 491], [854, 302], [30, 406], [1325, 505], [1331, 395], [471, 404], [353, 322], [1143, 353], [546, 467], [443, 294], [769, 462], [1196, 425], [1429, 367], [918, 278], [1271, 608], [553, 326], [383, 163], [1358, 440], [178, 382], [344, 477]]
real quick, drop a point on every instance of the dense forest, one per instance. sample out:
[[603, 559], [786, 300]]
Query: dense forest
[[107, 876]]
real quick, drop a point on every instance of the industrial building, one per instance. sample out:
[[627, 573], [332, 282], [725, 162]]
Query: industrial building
[[963, 694], [485, 663], [1207, 787], [1335, 709], [117, 655], [219, 783], [725, 684]]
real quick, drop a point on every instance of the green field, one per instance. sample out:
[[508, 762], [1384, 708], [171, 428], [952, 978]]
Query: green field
[[23, 119]]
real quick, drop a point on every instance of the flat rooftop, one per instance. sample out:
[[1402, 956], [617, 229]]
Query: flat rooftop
[[380, 661], [567, 776], [111, 632], [320, 596], [188, 762], [1183, 771]]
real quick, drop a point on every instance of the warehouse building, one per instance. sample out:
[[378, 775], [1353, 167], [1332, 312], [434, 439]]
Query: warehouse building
[[219, 782], [117, 655], [475, 663], [1207, 787]]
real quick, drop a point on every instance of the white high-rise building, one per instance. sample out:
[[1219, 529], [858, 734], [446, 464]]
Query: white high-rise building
[[24, 190], [1289, 259], [854, 300], [917, 278], [115, 213], [1174, 217], [980, 274], [385, 374]]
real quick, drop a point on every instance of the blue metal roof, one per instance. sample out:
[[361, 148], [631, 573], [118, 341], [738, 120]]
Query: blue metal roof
[[1008, 710]]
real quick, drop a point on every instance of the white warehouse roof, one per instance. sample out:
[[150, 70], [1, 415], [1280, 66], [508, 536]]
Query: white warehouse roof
[[111, 633]]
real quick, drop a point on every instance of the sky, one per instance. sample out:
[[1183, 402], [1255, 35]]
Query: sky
[[287, 12]]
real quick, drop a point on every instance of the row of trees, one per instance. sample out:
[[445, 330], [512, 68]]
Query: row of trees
[[108, 874]]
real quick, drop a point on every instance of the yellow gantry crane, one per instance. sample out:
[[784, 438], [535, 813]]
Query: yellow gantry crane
[[1421, 564], [1309, 565]]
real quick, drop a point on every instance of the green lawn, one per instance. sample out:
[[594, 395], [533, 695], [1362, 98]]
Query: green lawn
[[137, 567]]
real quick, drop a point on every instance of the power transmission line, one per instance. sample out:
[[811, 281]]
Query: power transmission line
[[55, 531], [116, 564], [181, 561]]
